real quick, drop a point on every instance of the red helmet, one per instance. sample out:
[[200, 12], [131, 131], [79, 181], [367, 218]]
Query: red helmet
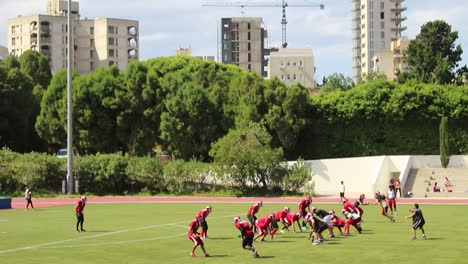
[[309, 198], [286, 209], [271, 216], [209, 208], [362, 196], [236, 219], [331, 212], [308, 217], [343, 211], [260, 203], [313, 209]]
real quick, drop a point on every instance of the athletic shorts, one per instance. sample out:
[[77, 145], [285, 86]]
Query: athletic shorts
[[342, 194], [320, 228], [247, 241], [274, 224], [196, 239], [79, 216], [418, 224], [252, 219], [203, 223]]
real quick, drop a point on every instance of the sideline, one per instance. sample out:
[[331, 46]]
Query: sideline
[[44, 245]]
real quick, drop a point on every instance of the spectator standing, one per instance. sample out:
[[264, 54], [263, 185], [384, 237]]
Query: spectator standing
[[397, 187], [28, 197], [342, 192]]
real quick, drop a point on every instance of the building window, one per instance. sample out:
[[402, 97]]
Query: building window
[[294, 76], [382, 5], [282, 63], [363, 26], [282, 77], [116, 53], [111, 53], [13, 41], [294, 63], [371, 44], [371, 34], [249, 67], [382, 44], [248, 46], [371, 14], [300, 63], [116, 30], [91, 65], [248, 35], [289, 77], [382, 34], [91, 42], [13, 29], [382, 25], [382, 15], [111, 63], [116, 41], [371, 25], [248, 26], [110, 29], [363, 6], [363, 35], [371, 5], [249, 57], [111, 41], [91, 54], [91, 30]]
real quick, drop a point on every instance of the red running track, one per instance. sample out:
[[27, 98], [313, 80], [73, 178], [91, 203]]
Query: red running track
[[45, 202]]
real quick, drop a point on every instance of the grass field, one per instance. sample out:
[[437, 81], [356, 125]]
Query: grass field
[[156, 233]]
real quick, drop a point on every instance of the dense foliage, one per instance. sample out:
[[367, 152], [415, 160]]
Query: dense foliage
[[444, 142]]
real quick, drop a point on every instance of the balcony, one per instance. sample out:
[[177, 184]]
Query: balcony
[[33, 26], [45, 27], [33, 39], [45, 49], [399, 18], [398, 8], [132, 42], [132, 31], [399, 28], [132, 54]]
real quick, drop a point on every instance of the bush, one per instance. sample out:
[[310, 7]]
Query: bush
[[145, 173], [186, 177], [298, 177]]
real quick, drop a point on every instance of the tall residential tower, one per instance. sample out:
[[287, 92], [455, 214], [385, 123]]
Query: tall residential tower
[[242, 43], [376, 23]]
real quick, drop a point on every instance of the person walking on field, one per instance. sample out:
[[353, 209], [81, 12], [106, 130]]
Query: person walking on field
[[418, 221], [342, 192], [28, 197], [392, 200], [79, 208]]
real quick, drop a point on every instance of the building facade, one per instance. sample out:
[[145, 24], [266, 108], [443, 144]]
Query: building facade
[[3, 52], [97, 42], [242, 43], [391, 62], [376, 23], [292, 66]]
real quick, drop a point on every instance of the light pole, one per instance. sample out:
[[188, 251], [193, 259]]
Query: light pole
[[69, 102]]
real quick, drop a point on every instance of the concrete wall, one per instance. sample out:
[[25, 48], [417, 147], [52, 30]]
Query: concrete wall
[[370, 174]]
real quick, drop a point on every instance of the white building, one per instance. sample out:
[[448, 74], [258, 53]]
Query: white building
[[3, 52], [292, 66], [97, 42], [391, 62], [376, 23]]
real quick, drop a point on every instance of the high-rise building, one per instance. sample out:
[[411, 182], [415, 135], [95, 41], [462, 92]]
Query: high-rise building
[[376, 23], [97, 42], [292, 66], [242, 43]]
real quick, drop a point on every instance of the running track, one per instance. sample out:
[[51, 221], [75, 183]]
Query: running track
[[45, 202]]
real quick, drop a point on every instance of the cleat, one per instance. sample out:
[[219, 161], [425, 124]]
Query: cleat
[[82, 230], [77, 230], [207, 255], [424, 236], [192, 254]]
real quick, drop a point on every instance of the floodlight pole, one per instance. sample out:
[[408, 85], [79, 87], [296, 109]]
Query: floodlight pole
[[69, 102]]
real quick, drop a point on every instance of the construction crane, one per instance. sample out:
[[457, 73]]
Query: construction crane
[[283, 5]]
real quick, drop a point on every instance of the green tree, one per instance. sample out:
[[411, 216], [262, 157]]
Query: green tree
[[36, 65], [336, 81], [17, 108], [245, 157], [444, 142], [433, 57]]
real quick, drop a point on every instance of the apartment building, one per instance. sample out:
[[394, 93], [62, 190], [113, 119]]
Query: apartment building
[[391, 62], [97, 42], [242, 43], [3, 52], [292, 66], [376, 23]]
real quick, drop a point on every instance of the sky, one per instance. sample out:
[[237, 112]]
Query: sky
[[168, 25]]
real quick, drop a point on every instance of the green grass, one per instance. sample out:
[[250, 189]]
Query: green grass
[[139, 233]]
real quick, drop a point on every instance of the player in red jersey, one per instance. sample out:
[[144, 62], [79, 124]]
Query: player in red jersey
[[291, 218], [352, 219], [263, 226], [247, 235], [252, 212], [336, 222], [347, 206], [381, 199], [192, 234], [201, 218], [280, 216], [79, 208], [304, 208]]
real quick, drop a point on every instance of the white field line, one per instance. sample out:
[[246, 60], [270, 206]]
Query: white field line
[[112, 243], [3, 220], [99, 235]]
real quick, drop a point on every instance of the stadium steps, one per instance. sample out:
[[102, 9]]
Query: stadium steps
[[420, 182]]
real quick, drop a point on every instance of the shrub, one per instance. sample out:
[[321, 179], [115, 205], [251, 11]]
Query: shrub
[[145, 173]]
